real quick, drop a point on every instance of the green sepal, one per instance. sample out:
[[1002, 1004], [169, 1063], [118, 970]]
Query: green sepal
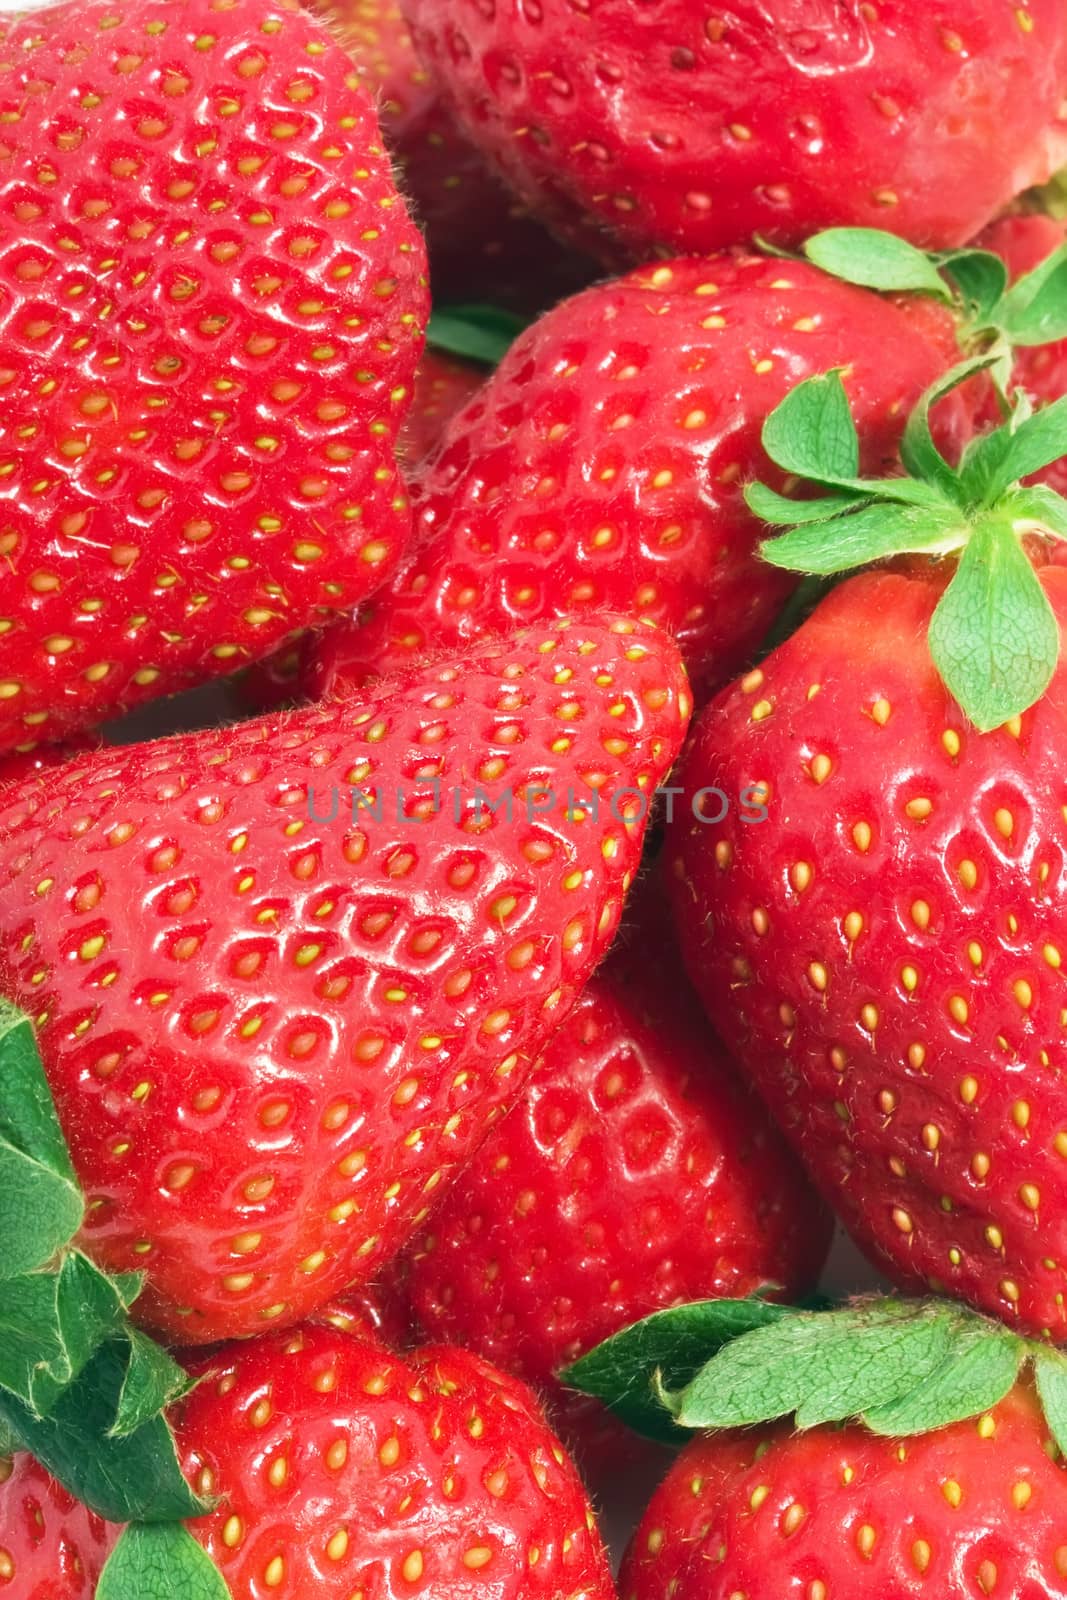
[[1050, 1377], [631, 1371], [982, 280], [134, 1477], [819, 1367], [1034, 442], [160, 1561], [876, 260], [153, 1382], [1034, 310], [981, 1365], [872, 534], [474, 333], [51, 1324], [41, 1205], [779, 511], [811, 434], [918, 451], [1039, 505], [994, 637]]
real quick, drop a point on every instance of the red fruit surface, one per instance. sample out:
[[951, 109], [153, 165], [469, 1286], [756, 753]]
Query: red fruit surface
[[604, 462], [443, 386], [483, 243], [638, 1173], [884, 953], [342, 1470], [1025, 242], [275, 1029], [51, 1548], [24, 764], [700, 127], [975, 1510], [213, 309]]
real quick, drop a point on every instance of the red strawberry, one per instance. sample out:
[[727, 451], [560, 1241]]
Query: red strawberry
[[1025, 241], [23, 764], [443, 386], [51, 1548], [974, 1510], [344, 1470], [213, 311], [884, 952], [603, 463], [274, 1029], [483, 243], [637, 1174], [697, 128]]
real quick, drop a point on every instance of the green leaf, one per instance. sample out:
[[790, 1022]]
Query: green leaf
[[872, 534], [1038, 503], [811, 433], [160, 1562], [475, 333], [823, 1367], [994, 638], [33, 1359], [779, 511], [153, 1382], [41, 1206], [981, 278], [1050, 1376], [9, 1442], [134, 1478], [918, 451], [876, 260], [1034, 310], [667, 1348], [1029, 447], [91, 1309], [981, 1366]]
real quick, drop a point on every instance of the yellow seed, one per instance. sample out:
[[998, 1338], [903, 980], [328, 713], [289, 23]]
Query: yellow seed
[[233, 1532], [952, 1493], [337, 1547], [274, 1575], [412, 1566], [866, 1539]]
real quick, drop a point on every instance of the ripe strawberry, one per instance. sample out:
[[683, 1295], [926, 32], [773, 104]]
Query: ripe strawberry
[[603, 463], [698, 128], [483, 243], [1024, 242], [884, 952], [342, 1469], [284, 974], [638, 1173], [214, 303], [51, 1548], [973, 1510], [443, 386]]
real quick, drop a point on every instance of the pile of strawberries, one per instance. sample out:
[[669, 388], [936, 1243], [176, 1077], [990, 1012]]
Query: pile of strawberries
[[599, 464]]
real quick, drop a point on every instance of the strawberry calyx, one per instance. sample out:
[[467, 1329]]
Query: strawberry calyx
[[901, 1367], [993, 315], [993, 637], [81, 1388], [479, 333]]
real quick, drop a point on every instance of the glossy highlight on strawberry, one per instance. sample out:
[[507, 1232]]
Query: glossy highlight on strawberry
[[214, 304], [285, 974]]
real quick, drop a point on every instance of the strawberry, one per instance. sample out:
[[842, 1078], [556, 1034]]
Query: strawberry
[[698, 128], [1024, 242], [482, 241], [977, 1509], [285, 974], [883, 952], [51, 1548], [214, 305], [638, 1173], [341, 1469], [603, 463], [443, 386]]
